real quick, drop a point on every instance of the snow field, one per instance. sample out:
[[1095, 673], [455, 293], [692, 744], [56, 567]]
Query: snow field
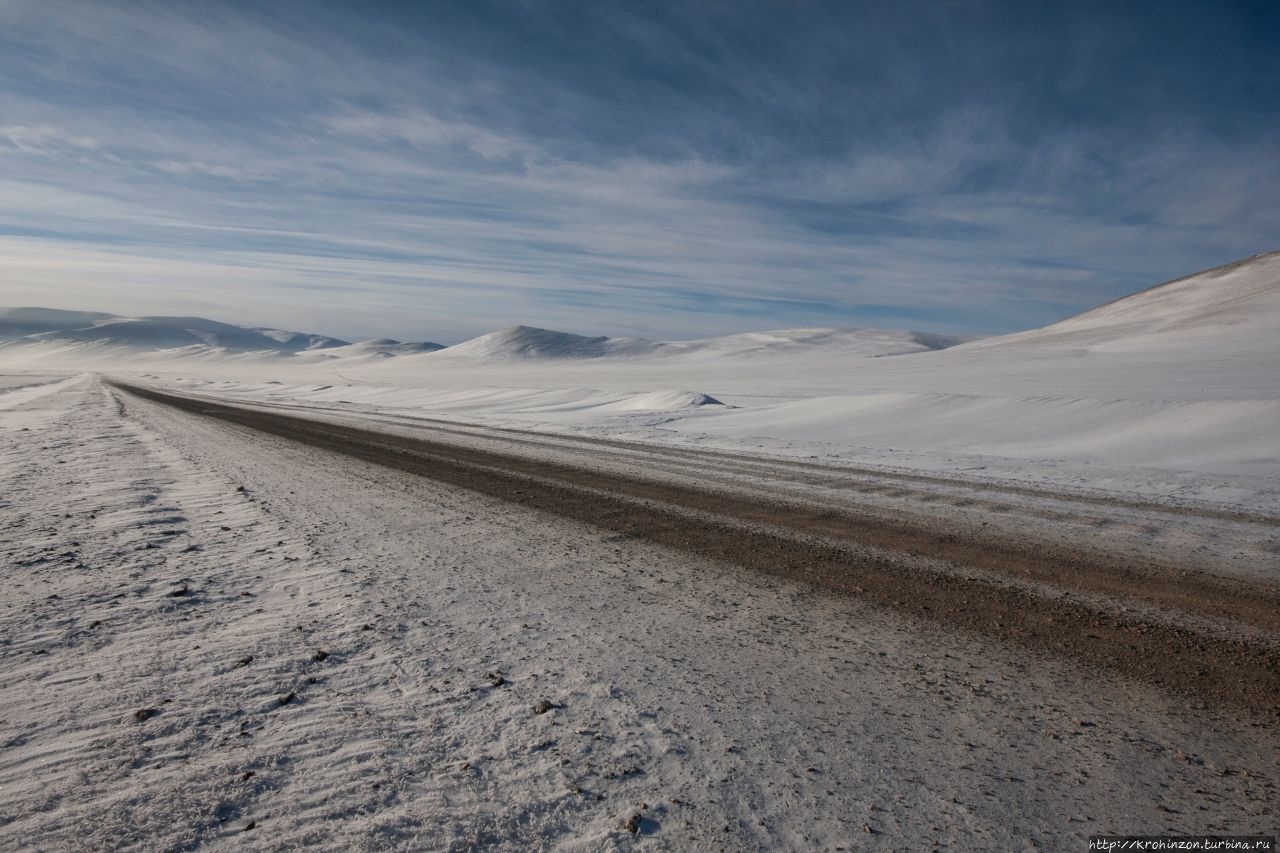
[[704, 708]]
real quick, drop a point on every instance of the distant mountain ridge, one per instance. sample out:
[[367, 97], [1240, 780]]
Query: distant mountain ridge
[[83, 333], [20, 322], [152, 333], [1234, 308], [86, 337], [526, 343], [161, 333]]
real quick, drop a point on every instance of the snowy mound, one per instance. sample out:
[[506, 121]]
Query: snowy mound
[[664, 401], [1237, 305], [526, 342]]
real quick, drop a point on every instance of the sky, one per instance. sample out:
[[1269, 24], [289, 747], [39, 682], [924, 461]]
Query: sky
[[671, 170]]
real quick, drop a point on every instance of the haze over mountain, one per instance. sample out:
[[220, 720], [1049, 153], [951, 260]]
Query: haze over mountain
[[59, 336], [153, 333], [20, 322]]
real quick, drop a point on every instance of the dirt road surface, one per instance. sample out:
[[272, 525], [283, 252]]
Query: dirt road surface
[[415, 635]]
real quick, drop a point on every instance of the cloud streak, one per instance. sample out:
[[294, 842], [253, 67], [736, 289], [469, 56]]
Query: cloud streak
[[439, 173]]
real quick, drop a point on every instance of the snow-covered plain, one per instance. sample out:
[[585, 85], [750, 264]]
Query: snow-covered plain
[[215, 638], [331, 654], [1172, 392]]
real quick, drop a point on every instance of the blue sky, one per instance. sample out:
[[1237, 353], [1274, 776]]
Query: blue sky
[[440, 170]]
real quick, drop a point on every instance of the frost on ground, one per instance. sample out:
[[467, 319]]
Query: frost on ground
[[213, 638]]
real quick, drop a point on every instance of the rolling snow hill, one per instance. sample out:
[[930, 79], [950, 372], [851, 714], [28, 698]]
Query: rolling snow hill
[[84, 340], [1171, 390], [524, 343], [1237, 305], [527, 342]]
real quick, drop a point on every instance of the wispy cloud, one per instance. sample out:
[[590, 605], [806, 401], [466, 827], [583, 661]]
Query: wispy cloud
[[420, 129], [678, 171], [42, 139]]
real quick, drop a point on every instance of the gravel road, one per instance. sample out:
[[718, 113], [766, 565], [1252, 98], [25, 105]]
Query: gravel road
[[219, 636], [1198, 632]]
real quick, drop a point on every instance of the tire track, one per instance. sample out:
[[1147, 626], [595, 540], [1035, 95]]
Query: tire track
[[794, 470], [891, 564]]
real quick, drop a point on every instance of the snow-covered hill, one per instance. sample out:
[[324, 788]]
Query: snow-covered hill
[[527, 342], [1237, 305], [88, 340], [1179, 378], [523, 343]]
